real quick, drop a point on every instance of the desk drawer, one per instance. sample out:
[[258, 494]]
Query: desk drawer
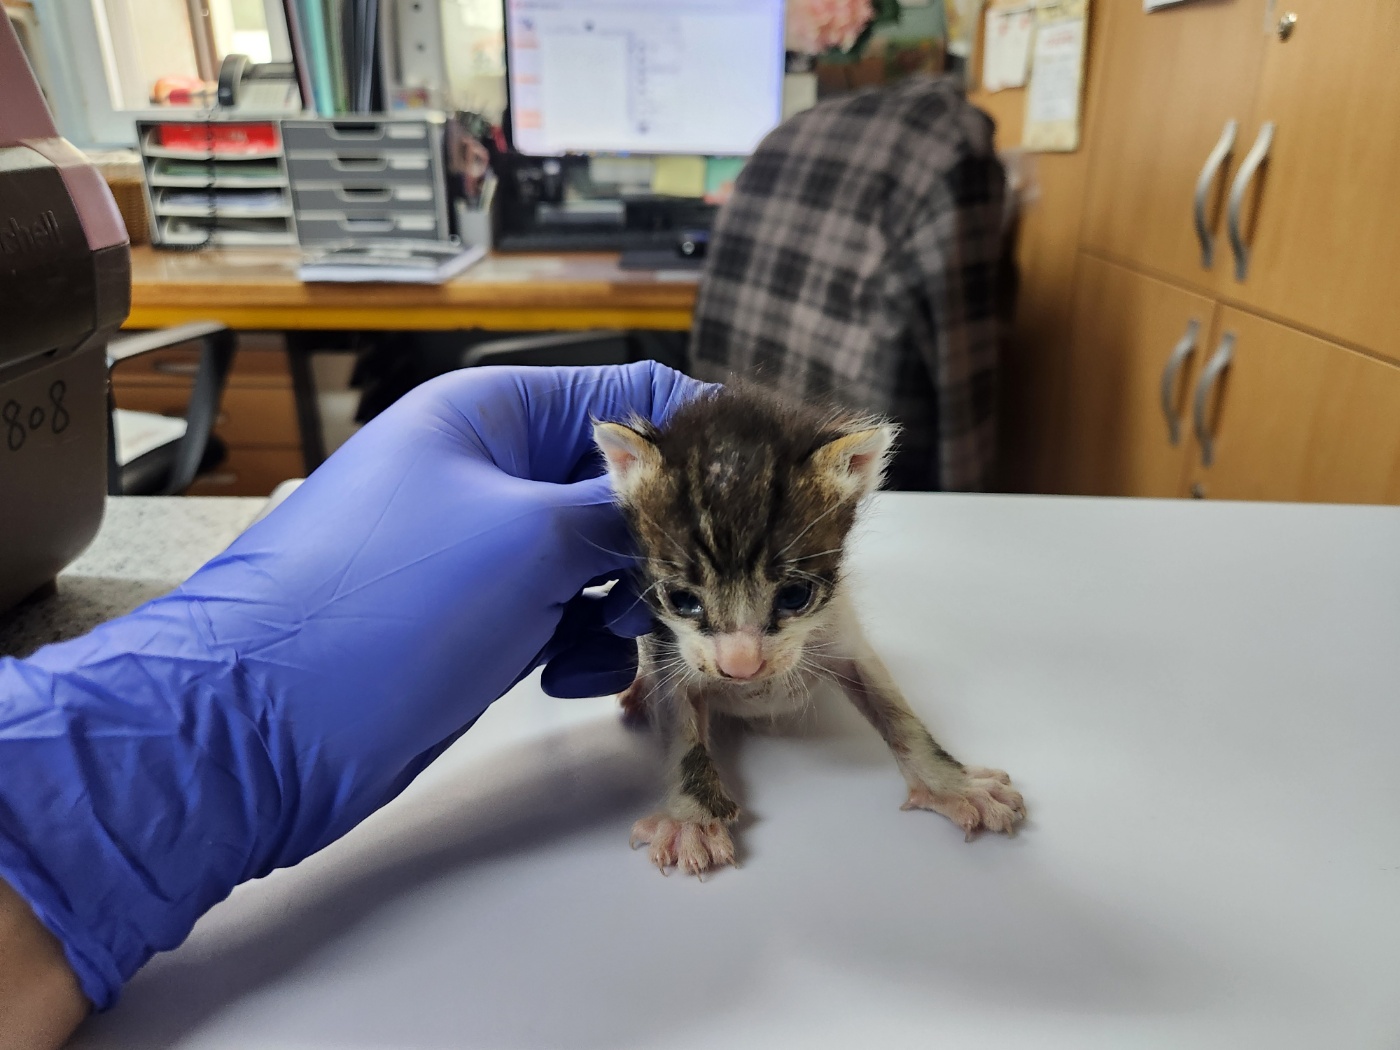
[[324, 227], [264, 367], [251, 472], [355, 196], [344, 165], [396, 135], [249, 417]]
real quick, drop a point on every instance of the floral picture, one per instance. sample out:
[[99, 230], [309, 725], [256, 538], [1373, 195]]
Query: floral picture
[[850, 44], [815, 27]]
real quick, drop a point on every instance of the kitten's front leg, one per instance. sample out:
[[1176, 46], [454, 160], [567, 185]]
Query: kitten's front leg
[[689, 832], [971, 797]]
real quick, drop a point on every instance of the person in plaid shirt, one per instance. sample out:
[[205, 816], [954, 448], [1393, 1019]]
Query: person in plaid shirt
[[863, 257]]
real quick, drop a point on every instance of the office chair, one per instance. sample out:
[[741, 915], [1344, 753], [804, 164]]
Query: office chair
[[154, 455], [602, 347], [390, 367], [393, 364]]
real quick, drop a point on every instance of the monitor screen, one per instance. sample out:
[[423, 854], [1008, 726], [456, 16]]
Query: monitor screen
[[644, 76]]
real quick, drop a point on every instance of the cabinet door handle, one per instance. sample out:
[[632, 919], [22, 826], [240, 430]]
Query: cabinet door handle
[[1257, 153], [1223, 148], [1179, 354], [1224, 354]]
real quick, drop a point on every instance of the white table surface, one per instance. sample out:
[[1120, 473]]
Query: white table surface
[[1201, 702]]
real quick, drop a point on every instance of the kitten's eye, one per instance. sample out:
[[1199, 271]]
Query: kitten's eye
[[685, 603], [793, 597]]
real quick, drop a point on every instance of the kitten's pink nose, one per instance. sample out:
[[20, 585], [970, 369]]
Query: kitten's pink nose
[[739, 655]]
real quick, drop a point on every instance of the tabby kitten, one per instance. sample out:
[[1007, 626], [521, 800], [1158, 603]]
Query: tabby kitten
[[741, 506]]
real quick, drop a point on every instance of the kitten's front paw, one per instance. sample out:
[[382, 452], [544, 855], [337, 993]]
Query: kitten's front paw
[[985, 799], [693, 847]]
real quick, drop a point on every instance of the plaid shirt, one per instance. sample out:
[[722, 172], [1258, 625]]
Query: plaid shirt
[[860, 259]]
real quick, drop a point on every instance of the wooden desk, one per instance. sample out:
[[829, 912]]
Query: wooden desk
[[259, 290]]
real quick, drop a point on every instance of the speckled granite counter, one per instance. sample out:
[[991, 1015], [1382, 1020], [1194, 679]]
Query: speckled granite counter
[[145, 548]]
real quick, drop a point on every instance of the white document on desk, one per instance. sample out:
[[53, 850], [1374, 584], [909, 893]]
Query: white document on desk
[[1007, 52], [399, 262]]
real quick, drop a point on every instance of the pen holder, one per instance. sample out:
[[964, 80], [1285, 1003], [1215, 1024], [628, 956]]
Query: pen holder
[[473, 225]]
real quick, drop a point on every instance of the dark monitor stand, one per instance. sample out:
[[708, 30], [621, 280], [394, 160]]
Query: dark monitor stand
[[535, 212], [654, 259], [688, 253]]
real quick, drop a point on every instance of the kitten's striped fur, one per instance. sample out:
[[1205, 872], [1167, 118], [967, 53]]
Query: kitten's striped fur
[[741, 506]]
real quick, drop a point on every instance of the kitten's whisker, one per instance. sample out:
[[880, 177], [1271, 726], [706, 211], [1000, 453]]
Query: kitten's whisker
[[685, 551], [675, 673], [665, 672], [663, 669], [663, 561], [642, 597], [801, 676], [824, 514], [654, 586], [808, 557], [837, 676], [634, 556]]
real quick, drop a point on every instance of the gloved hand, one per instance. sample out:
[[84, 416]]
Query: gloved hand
[[304, 677]]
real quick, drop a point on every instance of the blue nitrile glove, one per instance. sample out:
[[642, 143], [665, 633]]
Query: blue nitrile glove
[[304, 677]]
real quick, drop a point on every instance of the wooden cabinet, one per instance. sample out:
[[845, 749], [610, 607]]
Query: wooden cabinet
[[1123, 432], [1324, 219], [1167, 85], [1318, 218], [1306, 405], [249, 416], [1283, 416], [257, 417], [1294, 417], [250, 472]]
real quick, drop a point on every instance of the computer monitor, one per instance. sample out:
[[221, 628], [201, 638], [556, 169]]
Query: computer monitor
[[643, 76]]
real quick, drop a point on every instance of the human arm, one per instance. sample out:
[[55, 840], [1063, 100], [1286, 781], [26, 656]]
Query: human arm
[[303, 678], [41, 1003]]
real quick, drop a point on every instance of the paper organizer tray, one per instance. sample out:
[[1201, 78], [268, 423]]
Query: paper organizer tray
[[322, 227], [360, 197], [214, 181], [367, 179]]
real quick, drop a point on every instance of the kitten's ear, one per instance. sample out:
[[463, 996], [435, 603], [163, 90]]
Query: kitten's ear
[[854, 464], [631, 457]]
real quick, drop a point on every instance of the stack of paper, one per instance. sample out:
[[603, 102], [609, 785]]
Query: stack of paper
[[394, 262]]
